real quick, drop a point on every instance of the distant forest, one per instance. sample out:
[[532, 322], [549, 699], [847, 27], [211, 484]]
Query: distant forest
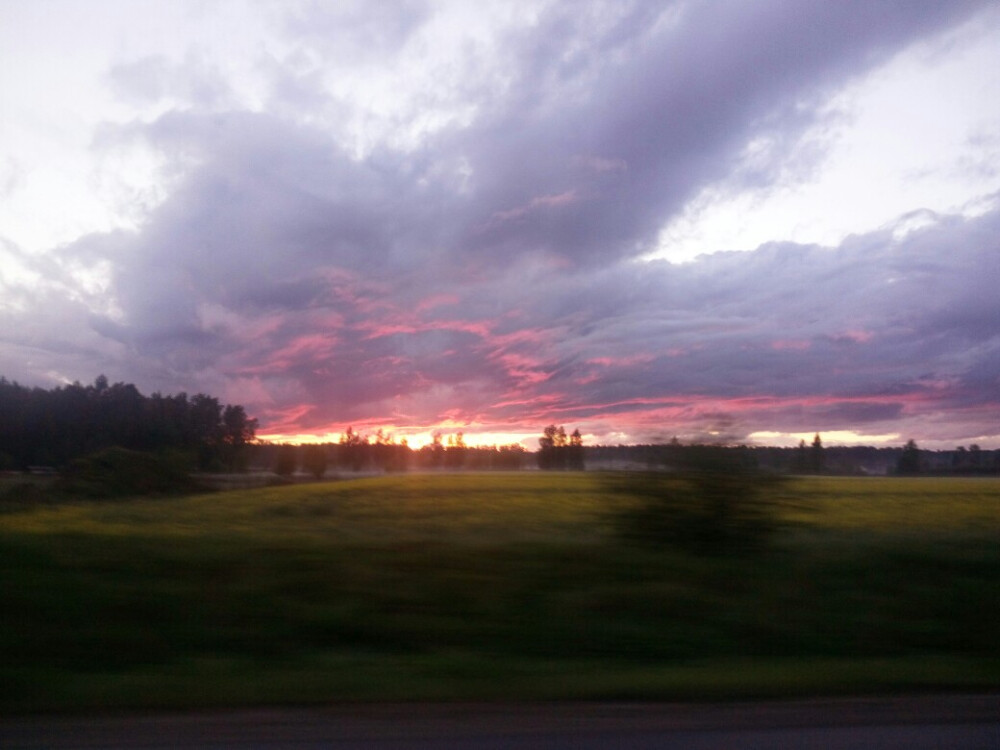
[[51, 428], [856, 460], [355, 453]]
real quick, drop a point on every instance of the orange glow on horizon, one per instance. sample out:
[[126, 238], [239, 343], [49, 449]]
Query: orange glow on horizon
[[415, 438]]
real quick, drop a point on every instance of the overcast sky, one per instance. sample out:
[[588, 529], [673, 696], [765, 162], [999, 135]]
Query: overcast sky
[[726, 221]]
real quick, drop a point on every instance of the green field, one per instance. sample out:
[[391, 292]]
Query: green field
[[500, 586]]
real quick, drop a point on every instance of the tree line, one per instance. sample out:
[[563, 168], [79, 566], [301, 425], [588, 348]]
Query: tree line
[[810, 458], [557, 451], [51, 428], [380, 452]]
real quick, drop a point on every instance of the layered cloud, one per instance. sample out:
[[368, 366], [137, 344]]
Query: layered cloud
[[474, 252]]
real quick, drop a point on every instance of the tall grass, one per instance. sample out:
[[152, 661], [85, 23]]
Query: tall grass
[[509, 586]]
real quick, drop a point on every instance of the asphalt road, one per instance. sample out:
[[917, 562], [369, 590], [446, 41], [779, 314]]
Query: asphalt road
[[915, 723]]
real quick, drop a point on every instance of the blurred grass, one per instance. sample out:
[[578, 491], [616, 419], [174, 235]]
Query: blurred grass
[[490, 586], [461, 508], [887, 504]]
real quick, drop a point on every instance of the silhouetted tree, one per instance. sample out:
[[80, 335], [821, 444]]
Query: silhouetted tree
[[399, 456], [816, 458], [556, 451], [975, 456], [909, 459], [237, 432], [314, 460], [716, 502], [206, 417], [800, 464], [959, 458], [574, 452], [510, 456], [546, 448], [455, 454], [353, 450], [286, 460]]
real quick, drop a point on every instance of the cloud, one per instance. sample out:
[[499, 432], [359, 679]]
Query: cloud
[[650, 345], [356, 30], [149, 80], [487, 271]]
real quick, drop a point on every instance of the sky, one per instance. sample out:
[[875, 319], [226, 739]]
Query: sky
[[725, 221]]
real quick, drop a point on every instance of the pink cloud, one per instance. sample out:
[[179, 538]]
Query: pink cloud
[[791, 344], [546, 400], [378, 330], [855, 337], [307, 347], [600, 164], [522, 336], [556, 200], [636, 359], [437, 300], [286, 421], [528, 371]]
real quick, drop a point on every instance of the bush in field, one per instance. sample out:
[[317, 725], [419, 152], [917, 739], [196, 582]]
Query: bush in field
[[716, 503], [287, 460], [909, 459], [22, 493], [117, 472], [314, 460]]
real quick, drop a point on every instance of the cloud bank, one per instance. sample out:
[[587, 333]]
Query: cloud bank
[[467, 246]]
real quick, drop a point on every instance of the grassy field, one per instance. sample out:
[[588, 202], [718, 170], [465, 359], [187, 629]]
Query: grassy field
[[501, 586]]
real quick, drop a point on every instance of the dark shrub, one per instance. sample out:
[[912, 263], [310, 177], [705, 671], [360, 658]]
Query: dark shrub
[[314, 460], [286, 461], [17, 495], [117, 472], [716, 503]]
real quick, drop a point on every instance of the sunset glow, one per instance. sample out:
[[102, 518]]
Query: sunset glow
[[415, 440]]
